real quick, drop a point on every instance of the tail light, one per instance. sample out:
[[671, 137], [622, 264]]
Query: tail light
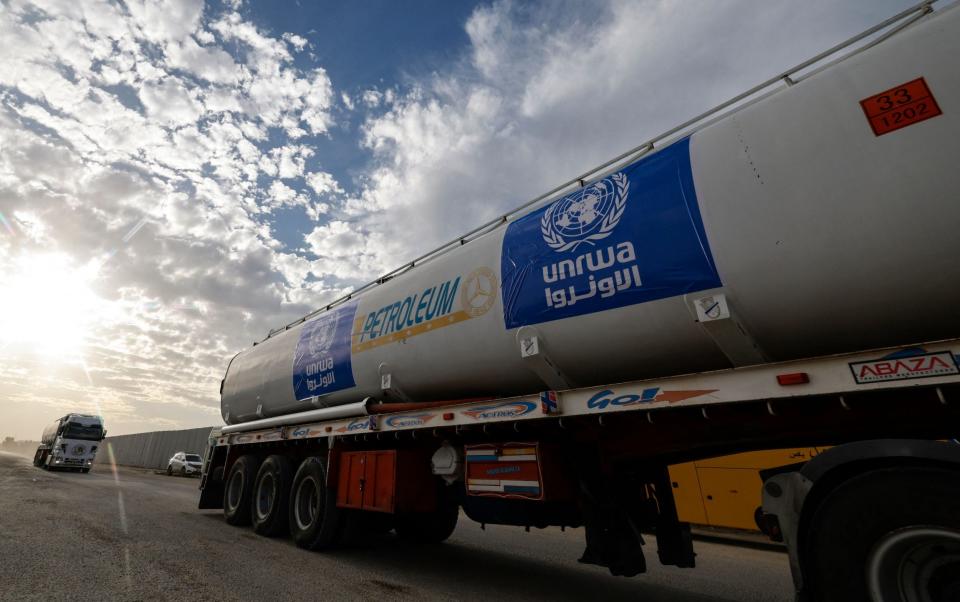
[[793, 378]]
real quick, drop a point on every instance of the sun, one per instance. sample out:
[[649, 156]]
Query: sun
[[46, 306]]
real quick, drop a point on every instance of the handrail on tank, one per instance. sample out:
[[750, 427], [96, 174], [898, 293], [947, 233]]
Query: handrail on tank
[[915, 12]]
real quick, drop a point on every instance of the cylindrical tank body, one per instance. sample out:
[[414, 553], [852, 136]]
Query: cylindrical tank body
[[50, 432], [821, 235]]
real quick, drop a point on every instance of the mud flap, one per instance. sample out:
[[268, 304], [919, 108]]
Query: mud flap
[[613, 537], [674, 541], [615, 545]]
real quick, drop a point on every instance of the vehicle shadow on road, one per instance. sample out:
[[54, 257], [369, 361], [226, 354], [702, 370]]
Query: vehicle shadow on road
[[472, 572]]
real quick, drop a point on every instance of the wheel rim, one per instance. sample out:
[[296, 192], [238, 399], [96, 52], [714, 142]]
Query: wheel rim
[[266, 494], [235, 489], [915, 564], [306, 505]]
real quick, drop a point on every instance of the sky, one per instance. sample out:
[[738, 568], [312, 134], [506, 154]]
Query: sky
[[179, 177]]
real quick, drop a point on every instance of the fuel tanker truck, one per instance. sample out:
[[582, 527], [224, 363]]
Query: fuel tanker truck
[[70, 443], [781, 270]]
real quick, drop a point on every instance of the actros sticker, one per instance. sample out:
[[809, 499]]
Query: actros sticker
[[321, 363], [632, 237], [904, 365], [507, 409]]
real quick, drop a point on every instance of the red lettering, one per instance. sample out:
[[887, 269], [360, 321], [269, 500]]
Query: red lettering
[[886, 368], [908, 367]]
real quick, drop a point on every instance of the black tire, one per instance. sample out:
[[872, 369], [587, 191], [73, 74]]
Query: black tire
[[169, 470], [183, 471], [270, 509], [431, 527], [84, 470], [314, 517], [239, 490], [844, 532]]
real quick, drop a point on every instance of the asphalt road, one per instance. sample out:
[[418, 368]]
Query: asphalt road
[[137, 535]]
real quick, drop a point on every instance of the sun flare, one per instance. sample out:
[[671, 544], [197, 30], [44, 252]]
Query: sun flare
[[46, 306]]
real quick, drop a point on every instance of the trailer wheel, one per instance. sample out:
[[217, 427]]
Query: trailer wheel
[[431, 527], [238, 493], [314, 516], [889, 534], [271, 493]]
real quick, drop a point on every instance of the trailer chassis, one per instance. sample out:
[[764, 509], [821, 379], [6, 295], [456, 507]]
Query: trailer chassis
[[609, 447]]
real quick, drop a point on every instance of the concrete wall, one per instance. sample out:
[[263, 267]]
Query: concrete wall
[[153, 450]]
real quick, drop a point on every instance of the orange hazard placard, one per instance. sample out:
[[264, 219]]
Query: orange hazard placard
[[900, 106]]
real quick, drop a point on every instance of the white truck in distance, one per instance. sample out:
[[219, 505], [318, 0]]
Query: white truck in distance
[[780, 271], [70, 443]]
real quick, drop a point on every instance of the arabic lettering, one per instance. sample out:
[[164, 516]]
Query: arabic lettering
[[620, 281]]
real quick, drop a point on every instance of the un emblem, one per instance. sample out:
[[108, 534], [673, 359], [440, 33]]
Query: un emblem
[[322, 331], [588, 215]]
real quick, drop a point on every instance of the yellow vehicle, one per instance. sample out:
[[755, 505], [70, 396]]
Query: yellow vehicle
[[725, 491]]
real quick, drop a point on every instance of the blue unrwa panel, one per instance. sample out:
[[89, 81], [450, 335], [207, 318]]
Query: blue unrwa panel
[[632, 237], [322, 363]]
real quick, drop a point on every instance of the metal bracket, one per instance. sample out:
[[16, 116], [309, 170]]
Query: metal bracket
[[320, 401], [716, 315], [390, 387], [535, 357]]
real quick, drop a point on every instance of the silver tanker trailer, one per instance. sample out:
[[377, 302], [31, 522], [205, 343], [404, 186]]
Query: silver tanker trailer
[[783, 270], [814, 233], [70, 443]]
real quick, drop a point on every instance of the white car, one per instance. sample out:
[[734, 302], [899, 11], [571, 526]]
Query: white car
[[185, 464]]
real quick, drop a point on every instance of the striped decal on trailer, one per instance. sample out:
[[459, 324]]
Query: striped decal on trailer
[[507, 470], [503, 486], [526, 454]]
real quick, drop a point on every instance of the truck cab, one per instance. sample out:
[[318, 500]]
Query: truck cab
[[70, 443]]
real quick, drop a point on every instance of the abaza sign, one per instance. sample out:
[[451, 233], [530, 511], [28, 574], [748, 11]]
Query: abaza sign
[[904, 366]]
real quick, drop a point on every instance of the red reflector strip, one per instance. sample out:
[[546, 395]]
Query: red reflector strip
[[794, 378]]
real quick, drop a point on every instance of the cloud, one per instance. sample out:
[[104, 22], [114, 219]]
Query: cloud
[[207, 62], [298, 42], [169, 20], [137, 143], [170, 102], [372, 98], [345, 251], [323, 183]]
